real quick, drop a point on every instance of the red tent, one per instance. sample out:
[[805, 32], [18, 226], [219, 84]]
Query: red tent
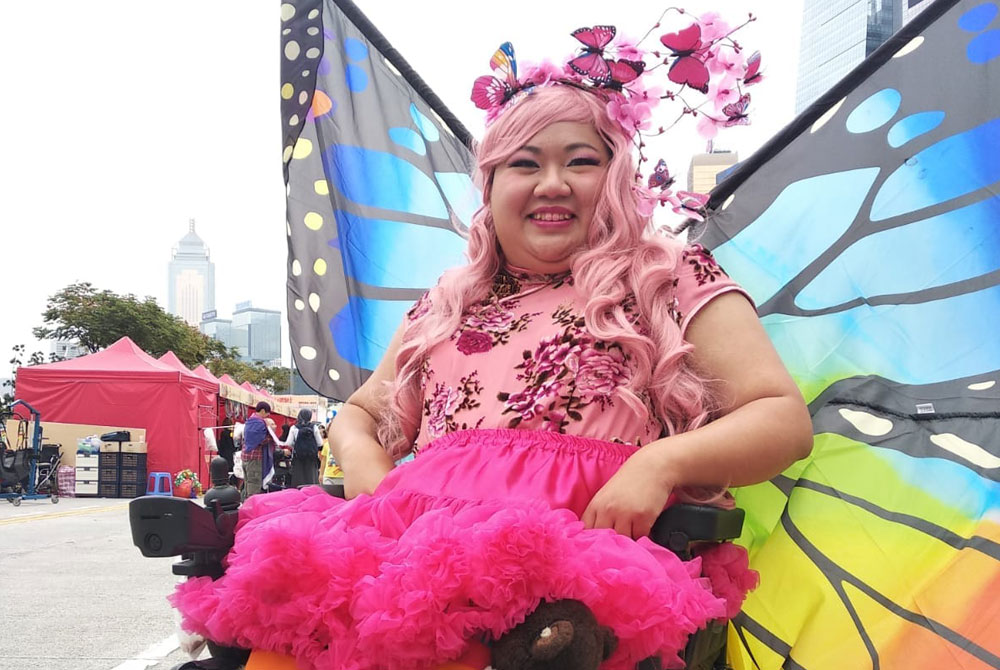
[[124, 386], [205, 373]]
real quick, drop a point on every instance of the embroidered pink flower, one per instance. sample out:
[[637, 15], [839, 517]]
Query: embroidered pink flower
[[551, 357], [491, 318], [599, 373], [553, 421], [420, 307], [443, 404], [474, 342], [530, 402]]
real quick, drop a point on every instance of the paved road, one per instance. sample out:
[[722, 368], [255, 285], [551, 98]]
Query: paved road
[[75, 594]]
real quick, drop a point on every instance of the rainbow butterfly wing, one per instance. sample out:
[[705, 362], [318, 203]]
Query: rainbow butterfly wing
[[488, 91], [378, 194], [753, 74], [867, 234]]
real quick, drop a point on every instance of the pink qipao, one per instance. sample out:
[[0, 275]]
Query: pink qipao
[[521, 427]]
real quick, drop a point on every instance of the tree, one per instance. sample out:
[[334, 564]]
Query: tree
[[274, 379], [9, 386], [97, 319]]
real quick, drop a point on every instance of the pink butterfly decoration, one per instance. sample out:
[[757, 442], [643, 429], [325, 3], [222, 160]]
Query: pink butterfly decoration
[[661, 176], [489, 92], [688, 67], [736, 113], [591, 63]]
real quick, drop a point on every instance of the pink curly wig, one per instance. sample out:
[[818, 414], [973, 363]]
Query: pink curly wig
[[622, 257]]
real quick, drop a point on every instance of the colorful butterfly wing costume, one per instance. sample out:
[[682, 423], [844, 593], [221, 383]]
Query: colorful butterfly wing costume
[[378, 191], [868, 233]]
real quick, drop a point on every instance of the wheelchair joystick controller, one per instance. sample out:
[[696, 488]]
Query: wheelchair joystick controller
[[201, 536]]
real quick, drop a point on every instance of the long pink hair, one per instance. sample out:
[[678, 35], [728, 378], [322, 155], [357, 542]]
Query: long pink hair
[[623, 257]]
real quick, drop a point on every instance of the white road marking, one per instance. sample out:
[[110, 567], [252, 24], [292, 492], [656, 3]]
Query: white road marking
[[151, 656]]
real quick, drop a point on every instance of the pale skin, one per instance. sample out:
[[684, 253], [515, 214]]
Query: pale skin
[[763, 426]]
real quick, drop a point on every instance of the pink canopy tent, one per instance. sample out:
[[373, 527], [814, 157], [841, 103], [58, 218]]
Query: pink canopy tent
[[124, 386]]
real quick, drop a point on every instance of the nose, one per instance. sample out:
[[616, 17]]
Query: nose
[[552, 183]]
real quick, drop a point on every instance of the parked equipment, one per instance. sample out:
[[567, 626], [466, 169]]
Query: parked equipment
[[20, 467]]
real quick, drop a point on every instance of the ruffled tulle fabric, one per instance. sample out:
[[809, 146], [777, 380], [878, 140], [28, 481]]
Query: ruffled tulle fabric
[[405, 579]]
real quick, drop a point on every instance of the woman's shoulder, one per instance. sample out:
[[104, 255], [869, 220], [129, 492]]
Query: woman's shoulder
[[699, 279]]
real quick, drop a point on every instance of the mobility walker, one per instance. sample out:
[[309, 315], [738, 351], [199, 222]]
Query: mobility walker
[[27, 470]]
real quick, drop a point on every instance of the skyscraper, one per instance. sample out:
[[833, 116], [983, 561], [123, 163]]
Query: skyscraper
[[256, 333], [704, 167], [839, 34], [190, 279]]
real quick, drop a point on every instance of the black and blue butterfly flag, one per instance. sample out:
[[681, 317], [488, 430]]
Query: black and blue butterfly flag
[[378, 190], [868, 233]]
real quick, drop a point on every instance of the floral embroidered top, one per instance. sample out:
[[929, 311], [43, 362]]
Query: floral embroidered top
[[523, 358]]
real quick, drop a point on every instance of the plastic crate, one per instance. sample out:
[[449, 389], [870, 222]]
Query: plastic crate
[[107, 489], [109, 459], [135, 461], [132, 476], [131, 490], [107, 474]]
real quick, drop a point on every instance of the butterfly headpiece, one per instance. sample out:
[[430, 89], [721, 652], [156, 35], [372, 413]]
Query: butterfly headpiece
[[701, 60]]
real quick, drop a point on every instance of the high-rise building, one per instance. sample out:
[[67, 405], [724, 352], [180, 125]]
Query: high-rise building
[[190, 279], [218, 328], [67, 349], [704, 167], [839, 34], [256, 333]]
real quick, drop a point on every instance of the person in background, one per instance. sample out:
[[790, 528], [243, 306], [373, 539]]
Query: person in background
[[226, 444], [331, 474], [258, 445], [305, 440]]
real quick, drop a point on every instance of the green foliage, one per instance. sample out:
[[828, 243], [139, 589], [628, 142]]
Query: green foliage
[[274, 379], [8, 387], [97, 319]]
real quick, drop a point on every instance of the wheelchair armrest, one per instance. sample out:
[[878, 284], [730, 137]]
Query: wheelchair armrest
[[166, 526], [680, 525]]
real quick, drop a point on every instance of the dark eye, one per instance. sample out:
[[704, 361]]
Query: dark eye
[[585, 161], [523, 163]]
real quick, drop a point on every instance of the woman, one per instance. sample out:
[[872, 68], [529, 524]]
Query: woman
[[579, 368]]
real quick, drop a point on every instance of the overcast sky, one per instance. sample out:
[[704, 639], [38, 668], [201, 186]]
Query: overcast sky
[[124, 119]]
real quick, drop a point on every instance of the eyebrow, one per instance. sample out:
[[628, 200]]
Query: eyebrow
[[568, 147]]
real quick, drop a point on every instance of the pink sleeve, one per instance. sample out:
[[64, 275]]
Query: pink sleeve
[[700, 279]]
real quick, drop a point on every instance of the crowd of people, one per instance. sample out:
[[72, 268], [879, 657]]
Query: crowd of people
[[256, 453]]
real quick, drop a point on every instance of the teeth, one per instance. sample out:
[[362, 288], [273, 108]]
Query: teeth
[[551, 217]]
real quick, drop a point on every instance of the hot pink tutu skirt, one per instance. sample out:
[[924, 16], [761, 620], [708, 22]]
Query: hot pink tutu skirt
[[463, 541]]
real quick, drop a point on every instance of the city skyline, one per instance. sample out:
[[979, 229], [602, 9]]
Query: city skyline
[[837, 35], [190, 278], [111, 223]]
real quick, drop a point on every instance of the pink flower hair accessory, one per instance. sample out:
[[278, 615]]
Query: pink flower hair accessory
[[706, 74]]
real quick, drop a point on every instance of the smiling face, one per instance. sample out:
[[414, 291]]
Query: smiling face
[[543, 196]]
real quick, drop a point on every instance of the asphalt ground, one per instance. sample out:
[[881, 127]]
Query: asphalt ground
[[76, 594]]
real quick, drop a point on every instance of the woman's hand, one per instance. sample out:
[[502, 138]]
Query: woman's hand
[[633, 498]]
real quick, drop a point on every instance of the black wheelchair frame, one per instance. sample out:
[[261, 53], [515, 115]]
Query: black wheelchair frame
[[202, 536]]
